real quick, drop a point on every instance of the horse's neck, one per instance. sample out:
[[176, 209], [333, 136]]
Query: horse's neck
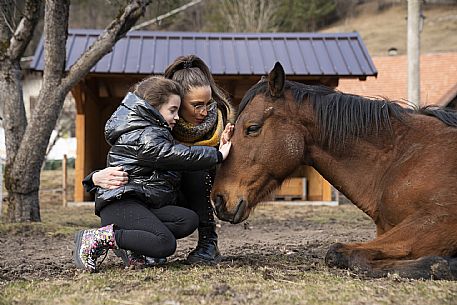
[[357, 171]]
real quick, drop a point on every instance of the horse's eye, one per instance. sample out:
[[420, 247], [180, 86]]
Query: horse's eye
[[253, 129]]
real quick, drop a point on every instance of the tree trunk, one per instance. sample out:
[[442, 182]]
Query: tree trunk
[[15, 121], [26, 144]]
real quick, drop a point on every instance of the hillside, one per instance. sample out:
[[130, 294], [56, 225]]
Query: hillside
[[381, 30]]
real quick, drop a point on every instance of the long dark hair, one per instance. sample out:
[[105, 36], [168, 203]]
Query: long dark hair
[[191, 71]]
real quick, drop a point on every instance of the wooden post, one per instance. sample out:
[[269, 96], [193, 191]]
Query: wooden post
[[80, 102], [64, 180]]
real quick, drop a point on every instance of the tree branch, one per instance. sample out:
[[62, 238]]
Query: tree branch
[[168, 14], [5, 17], [105, 42], [55, 37], [25, 29]]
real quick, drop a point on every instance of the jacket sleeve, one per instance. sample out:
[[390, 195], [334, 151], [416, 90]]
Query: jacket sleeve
[[160, 152], [88, 183]]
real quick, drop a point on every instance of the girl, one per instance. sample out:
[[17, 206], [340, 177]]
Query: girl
[[204, 112], [142, 216]]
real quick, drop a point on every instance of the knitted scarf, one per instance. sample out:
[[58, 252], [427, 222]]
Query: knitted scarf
[[207, 133]]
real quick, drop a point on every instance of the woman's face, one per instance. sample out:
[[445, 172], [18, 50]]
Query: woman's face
[[193, 109], [169, 110]]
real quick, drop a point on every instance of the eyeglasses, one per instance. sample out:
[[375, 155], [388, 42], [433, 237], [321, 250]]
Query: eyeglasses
[[208, 107]]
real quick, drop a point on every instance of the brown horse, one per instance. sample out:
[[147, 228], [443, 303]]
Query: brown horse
[[397, 165]]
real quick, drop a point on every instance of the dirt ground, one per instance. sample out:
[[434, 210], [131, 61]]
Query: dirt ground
[[276, 257], [304, 233], [40, 251]]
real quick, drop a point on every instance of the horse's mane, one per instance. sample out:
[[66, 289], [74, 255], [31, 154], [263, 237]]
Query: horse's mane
[[342, 117]]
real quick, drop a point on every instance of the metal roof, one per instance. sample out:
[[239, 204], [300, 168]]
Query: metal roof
[[304, 54]]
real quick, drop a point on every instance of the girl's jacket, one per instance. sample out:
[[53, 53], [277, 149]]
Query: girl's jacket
[[141, 142]]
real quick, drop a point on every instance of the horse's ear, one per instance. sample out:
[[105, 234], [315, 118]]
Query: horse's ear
[[276, 80]]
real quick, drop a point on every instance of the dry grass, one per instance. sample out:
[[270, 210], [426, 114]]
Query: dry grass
[[381, 30], [51, 187], [179, 284]]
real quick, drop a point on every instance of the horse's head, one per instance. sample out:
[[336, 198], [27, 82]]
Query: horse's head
[[267, 146]]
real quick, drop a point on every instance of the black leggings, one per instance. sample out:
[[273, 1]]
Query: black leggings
[[148, 231]]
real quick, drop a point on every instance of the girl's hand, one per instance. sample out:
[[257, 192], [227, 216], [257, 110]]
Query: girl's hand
[[227, 133], [110, 178], [225, 149]]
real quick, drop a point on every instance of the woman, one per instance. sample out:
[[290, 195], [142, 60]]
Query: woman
[[142, 217], [203, 113]]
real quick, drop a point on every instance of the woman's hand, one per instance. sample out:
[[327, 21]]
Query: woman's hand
[[110, 178], [225, 149], [227, 134]]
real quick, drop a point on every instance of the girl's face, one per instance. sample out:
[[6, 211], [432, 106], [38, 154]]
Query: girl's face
[[169, 110], [195, 103]]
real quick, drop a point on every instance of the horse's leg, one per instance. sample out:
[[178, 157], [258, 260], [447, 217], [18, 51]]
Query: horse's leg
[[427, 267], [417, 248]]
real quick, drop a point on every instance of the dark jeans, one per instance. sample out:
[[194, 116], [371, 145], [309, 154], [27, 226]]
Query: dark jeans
[[147, 231]]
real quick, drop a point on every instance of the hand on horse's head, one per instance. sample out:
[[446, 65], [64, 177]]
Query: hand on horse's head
[[227, 133], [225, 149]]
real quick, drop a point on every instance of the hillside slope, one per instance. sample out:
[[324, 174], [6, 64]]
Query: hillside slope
[[382, 30]]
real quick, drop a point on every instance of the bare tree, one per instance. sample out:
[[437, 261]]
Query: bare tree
[[249, 15], [26, 142]]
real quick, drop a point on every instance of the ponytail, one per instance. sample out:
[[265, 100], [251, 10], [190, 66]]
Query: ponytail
[[190, 72]]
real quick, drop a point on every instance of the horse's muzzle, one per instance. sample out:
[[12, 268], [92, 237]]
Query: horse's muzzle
[[219, 207], [224, 215]]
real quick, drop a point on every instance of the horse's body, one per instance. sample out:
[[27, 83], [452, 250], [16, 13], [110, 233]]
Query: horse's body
[[398, 166]]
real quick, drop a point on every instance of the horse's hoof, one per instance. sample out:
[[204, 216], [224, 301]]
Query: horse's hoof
[[335, 257], [442, 268], [453, 267]]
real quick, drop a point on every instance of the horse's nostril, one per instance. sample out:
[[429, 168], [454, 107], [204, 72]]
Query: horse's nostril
[[219, 204], [240, 210], [219, 201]]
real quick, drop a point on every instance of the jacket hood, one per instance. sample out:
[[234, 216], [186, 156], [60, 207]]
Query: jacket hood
[[133, 113]]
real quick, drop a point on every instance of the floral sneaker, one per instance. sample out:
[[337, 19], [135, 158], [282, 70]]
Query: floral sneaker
[[92, 244]]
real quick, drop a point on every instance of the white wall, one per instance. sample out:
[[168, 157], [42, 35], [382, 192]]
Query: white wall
[[31, 86], [62, 146]]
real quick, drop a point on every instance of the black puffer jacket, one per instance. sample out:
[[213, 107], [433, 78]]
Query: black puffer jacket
[[143, 145]]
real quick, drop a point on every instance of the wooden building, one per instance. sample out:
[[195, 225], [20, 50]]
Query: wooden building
[[236, 60]]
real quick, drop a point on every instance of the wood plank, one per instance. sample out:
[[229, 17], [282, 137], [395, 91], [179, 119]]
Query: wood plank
[[292, 189]]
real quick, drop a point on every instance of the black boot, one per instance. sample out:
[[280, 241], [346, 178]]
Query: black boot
[[206, 251], [196, 190]]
